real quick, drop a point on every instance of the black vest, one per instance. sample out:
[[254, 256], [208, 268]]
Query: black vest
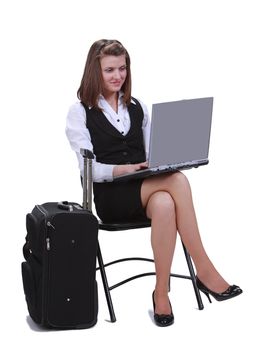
[[112, 147]]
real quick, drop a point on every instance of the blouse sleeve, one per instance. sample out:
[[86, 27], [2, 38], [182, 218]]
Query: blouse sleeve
[[79, 137]]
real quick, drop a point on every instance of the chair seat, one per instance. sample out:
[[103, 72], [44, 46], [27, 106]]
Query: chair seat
[[120, 226]]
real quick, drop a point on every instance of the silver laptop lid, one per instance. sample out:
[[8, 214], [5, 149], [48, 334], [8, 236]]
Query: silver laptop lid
[[180, 131]]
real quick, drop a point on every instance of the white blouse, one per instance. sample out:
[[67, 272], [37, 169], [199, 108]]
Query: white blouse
[[79, 136]]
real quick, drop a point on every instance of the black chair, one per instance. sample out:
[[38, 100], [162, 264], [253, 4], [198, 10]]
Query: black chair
[[87, 204]]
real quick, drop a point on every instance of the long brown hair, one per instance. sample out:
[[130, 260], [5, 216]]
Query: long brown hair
[[91, 82]]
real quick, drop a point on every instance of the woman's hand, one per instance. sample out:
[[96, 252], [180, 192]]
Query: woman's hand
[[128, 168]]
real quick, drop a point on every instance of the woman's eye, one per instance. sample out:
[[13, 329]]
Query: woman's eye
[[110, 69]]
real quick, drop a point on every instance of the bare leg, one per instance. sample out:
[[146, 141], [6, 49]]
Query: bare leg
[[178, 187], [161, 210]]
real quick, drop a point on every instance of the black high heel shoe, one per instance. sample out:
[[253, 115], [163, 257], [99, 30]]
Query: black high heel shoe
[[163, 320], [231, 292]]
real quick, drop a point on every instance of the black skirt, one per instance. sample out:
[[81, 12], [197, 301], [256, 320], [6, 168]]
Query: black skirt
[[119, 201]]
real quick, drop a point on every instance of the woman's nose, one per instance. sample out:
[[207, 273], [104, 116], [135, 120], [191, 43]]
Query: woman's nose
[[117, 74]]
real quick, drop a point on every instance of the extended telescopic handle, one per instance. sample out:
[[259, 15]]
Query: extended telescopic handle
[[88, 156]]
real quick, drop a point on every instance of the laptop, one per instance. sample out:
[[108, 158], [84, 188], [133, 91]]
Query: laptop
[[179, 138]]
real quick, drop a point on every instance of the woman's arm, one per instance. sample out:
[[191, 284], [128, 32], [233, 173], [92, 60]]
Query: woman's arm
[[128, 168], [79, 137]]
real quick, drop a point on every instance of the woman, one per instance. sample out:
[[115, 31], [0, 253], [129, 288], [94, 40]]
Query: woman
[[116, 127]]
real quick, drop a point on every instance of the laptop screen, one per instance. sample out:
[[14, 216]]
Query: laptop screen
[[180, 131]]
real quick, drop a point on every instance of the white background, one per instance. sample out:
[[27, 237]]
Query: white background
[[179, 49]]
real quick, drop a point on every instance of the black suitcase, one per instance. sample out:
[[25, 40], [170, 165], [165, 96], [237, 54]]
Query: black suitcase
[[59, 274]]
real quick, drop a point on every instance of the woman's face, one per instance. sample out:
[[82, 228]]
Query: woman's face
[[114, 73]]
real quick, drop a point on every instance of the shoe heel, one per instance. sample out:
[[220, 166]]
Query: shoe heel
[[207, 295]]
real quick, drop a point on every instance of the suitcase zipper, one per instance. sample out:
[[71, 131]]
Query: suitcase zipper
[[50, 225], [46, 270], [48, 245], [48, 242]]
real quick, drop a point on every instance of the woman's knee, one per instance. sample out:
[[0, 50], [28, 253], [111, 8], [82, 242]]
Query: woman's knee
[[161, 202], [165, 183], [179, 180]]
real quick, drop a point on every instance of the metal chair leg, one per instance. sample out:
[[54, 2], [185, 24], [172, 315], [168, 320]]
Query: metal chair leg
[[105, 285], [107, 288], [193, 278]]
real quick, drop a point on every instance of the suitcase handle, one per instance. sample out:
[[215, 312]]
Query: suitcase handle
[[65, 206], [88, 157]]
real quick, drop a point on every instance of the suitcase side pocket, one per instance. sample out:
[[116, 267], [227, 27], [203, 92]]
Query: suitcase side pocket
[[32, 285], [28, 285]]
